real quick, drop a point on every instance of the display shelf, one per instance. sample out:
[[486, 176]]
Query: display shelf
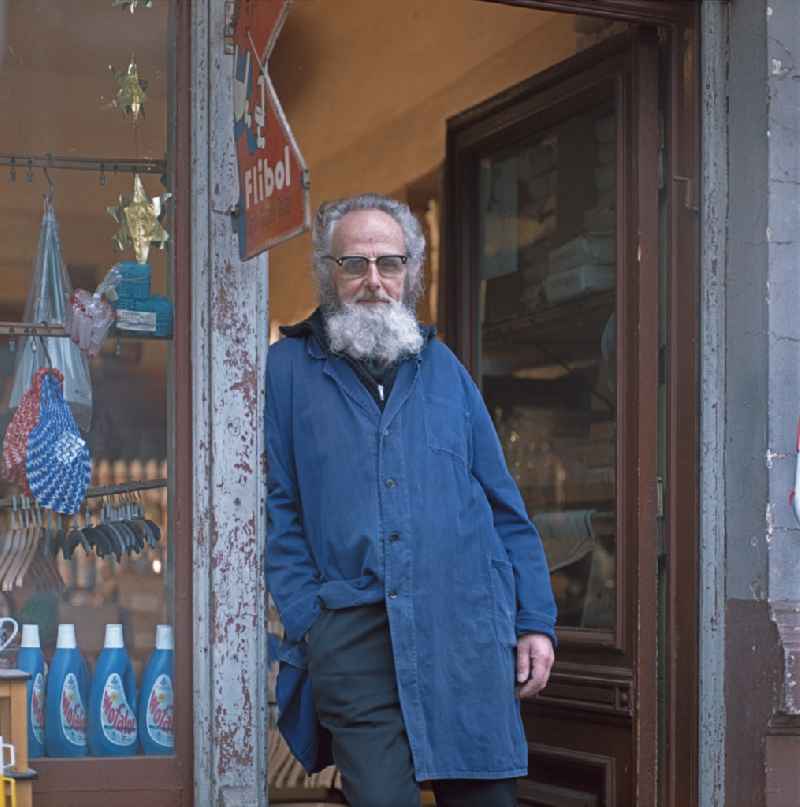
[[14, 729], [560, 333]]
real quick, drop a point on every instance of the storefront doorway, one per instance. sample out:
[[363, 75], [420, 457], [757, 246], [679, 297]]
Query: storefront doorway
[[560, 205]]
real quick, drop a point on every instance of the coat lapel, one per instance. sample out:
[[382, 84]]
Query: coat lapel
[[404, 383], [345, 376]]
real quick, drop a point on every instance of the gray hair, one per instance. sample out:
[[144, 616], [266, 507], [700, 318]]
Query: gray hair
[[330, 213]]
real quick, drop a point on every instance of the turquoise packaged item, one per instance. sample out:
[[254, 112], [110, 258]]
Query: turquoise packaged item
[[67, 695], [30, 659], [112, 700], [157, 698], [135, 283]]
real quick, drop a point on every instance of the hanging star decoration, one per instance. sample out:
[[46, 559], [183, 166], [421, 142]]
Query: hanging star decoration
[[134, 4], [130, 95], [138, 218]]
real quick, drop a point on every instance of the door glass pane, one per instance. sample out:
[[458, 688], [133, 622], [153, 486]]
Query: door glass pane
[[548, 345], [112, 563]]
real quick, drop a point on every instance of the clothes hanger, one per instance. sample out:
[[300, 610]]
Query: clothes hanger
[[26, 536], [35, 545], [29, 538], [6, 539], [113, 531], [17, 537]]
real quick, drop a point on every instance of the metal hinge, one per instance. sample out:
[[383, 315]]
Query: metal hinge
[[661, 543], [662, 365], [689, 197]]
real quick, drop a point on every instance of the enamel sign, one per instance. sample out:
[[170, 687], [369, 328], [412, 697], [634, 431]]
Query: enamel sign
[[273, 180]]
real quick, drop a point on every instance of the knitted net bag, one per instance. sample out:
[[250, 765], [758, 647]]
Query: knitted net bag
[[58, 466], [15, 442]]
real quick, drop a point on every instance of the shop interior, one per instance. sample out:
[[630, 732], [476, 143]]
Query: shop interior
[[388, 136], [368, 88], [368, 93]]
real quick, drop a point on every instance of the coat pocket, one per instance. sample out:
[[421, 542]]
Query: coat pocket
[[504, 593], [313, 630], [447, 428]]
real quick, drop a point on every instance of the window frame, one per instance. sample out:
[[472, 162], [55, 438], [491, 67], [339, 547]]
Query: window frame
[[167, 780]]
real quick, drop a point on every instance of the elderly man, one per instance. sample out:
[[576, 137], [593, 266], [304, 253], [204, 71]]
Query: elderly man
[[400, 556]]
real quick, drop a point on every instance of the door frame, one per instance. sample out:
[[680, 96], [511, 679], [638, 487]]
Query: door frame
[[679, 29]]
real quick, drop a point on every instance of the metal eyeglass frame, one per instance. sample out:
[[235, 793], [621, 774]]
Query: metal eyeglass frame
[[368, 261]]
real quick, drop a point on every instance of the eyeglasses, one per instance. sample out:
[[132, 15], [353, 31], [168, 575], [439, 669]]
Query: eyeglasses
[[388, 266]]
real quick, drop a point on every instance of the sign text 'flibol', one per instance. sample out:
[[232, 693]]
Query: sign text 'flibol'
[[273, 180]]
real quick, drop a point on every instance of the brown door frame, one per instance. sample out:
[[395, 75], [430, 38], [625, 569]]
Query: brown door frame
[[678, 22]]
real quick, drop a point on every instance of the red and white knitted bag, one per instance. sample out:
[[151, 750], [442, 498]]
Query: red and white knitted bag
[[15, 443]]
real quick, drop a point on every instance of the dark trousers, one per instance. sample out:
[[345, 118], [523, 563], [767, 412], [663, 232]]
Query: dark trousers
[[355, 692]]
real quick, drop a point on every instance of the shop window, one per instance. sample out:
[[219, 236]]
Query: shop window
[[87, 91]]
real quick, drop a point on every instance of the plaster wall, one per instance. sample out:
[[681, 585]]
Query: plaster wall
[[783, 245], [761, 385], [411, 127], [783, 329]]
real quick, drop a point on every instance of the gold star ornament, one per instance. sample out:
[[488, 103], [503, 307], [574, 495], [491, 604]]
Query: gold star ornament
[[130, 95], [134, 4], [138, 218]]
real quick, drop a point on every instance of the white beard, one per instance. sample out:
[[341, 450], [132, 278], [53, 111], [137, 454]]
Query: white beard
[[382, 333]]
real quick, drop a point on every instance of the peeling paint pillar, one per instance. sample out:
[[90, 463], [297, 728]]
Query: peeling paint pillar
[[229, 344]]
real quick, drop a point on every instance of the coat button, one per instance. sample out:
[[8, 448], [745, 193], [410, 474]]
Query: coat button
[[394, 536], [392, 595], [385, 432], [390, 483]]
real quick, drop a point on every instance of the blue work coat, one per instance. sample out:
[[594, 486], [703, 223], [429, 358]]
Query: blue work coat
[[413, 505]]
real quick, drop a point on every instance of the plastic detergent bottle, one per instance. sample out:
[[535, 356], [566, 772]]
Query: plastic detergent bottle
[[156, 702], [112, 700], [30, 659], [67, 695]]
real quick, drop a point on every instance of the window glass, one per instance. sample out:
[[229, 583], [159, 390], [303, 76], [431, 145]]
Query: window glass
[[70, 118], [548, 345]]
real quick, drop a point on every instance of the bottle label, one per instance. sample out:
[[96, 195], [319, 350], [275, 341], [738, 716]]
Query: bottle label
[[117, 720], [37, 708], [160, 712], [73, 712]]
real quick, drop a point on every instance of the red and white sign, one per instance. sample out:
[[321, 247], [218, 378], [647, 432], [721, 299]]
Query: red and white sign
[[273, 179]]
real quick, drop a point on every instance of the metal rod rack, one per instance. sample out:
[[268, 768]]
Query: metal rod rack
[[103, 165], [106, 490], [17, 329], [31, 329]]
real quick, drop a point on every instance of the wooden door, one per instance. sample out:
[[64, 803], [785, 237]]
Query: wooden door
[[552, 268]]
